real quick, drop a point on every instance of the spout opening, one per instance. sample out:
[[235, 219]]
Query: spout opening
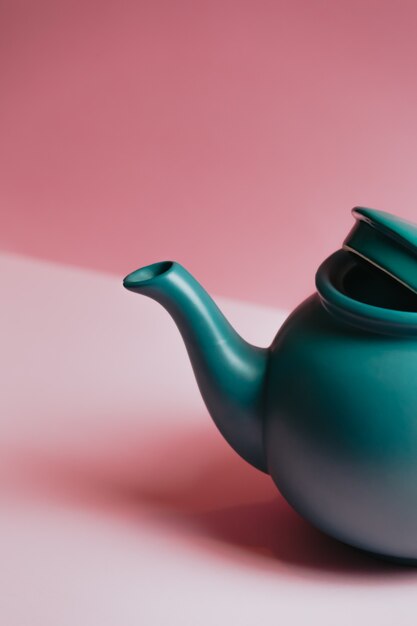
[[145, 274]]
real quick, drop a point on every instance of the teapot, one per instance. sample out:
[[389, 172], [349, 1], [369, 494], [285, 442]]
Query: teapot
[[329, 410]]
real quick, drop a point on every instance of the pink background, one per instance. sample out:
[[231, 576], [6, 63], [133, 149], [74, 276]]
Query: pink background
[[231, 136]]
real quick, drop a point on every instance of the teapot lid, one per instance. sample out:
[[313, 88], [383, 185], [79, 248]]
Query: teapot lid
[[387, 242]]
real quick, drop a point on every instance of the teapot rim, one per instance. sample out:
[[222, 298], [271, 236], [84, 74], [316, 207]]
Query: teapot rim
[[356, 312]]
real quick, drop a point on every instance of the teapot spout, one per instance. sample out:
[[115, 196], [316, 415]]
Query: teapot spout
[[230, 372]]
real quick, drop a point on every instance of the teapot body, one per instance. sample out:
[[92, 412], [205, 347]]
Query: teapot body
[[330, 409], [340, 429]]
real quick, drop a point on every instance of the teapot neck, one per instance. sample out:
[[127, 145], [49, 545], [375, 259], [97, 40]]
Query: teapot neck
[[392, 311]]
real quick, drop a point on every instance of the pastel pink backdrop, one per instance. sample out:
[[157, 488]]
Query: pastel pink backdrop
[[231, 136]]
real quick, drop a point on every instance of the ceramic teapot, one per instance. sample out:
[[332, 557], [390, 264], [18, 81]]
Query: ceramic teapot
[[329, 410]]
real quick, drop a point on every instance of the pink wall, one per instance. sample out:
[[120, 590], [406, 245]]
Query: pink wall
[[233, 136]]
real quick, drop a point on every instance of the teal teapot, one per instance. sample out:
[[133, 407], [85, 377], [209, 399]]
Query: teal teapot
[[329, 410]]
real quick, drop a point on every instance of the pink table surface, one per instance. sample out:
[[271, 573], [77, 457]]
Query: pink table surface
[[120, 504]]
